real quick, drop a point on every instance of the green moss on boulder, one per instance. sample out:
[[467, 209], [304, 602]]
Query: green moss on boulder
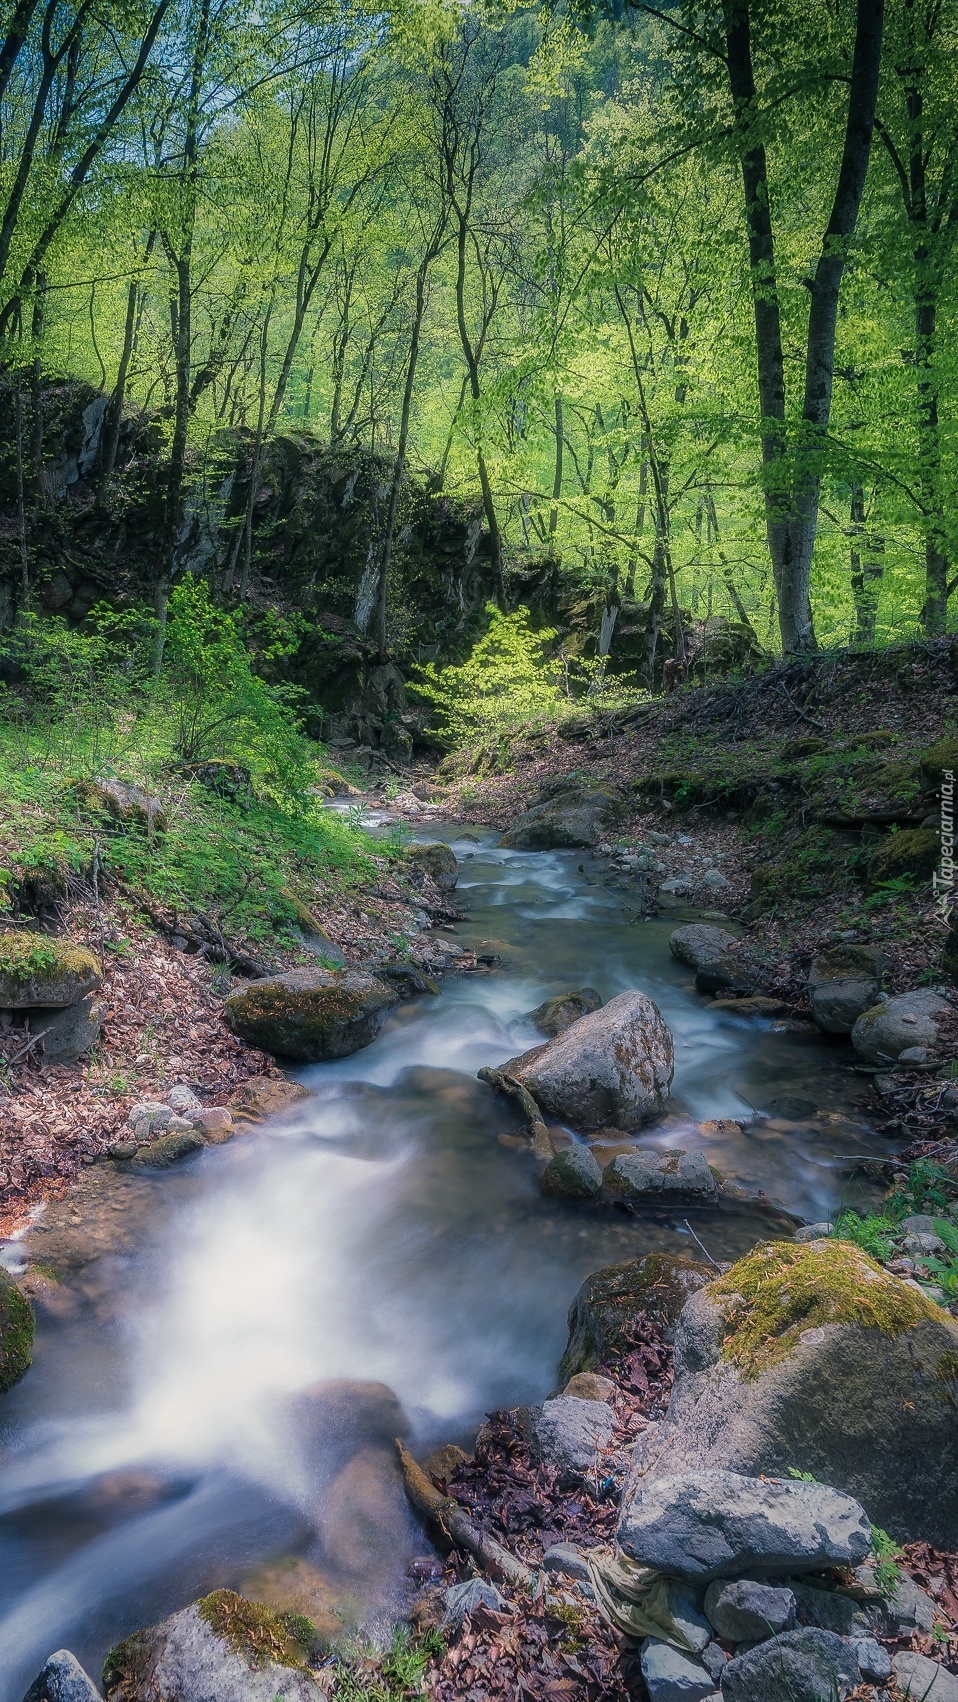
[[914, 851], [312, 1015], [780, 1290], [938, 760], [252, 1630], [16, 1333], [37, 970]]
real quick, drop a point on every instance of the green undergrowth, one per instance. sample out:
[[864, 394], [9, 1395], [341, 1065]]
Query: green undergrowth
[[242, 836], [395, 1675], [928, 1190]]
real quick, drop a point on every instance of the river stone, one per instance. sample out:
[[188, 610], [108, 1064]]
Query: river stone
[[16, 1332], [881, 1034], [611, 1067], [715, 1524], [831, 1611], [588, 1386], [874, 1661], [659, 1177], [572, 1175], [569, 814], [363, 1516], [569, 1434], [213, 1122], [167, 1149], [265, 1096], [566, 1560], [128, 805], [672, 1676], [438, 861], [311, 1014], [554, 1016], [182, 1099], [698, 943], [746, 1611], [37, 970], [843, 983], [68, 1034], [612, 1300], [800, 1666], [854, 1379], [923, 1680], [183, 1659], [62, 1679]]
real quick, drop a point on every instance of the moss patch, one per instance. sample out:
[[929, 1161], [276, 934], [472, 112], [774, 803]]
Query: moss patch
[[941, 757], [24, 955], [780, 1290], [16, 1333], [915, 851], [262, 1637]]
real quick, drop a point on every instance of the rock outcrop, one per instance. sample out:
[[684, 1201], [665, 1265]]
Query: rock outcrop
[[311, 1015], [613, 1067], [663, 1178], [62, 1679]]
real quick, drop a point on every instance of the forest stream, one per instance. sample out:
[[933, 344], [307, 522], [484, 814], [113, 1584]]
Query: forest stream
[[382, 1233]]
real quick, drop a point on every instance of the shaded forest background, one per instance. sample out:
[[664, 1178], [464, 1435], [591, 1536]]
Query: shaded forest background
[[374, 316]]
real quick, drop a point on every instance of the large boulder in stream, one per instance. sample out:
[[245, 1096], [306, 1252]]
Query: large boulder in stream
[[569, 814], [222, 1649], [613, 1067], [809, 1356], [312, 1015]]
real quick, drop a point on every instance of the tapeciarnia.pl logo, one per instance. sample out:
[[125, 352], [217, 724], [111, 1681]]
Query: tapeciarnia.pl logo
[[943, 880]]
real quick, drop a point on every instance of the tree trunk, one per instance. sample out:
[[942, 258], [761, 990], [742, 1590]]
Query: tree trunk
[[792, 503], [867, 569], [119, 392]]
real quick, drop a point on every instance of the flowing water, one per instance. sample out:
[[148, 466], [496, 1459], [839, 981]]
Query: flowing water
[[171, 1436]]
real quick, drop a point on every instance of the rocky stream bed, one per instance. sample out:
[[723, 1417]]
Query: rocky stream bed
[[292, 1389]]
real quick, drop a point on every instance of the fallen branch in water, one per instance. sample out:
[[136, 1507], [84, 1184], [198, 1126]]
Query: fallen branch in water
[[514, 1090], [462, 1531]]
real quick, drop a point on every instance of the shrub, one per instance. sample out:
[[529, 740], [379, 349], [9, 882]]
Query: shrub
[[505, 681]]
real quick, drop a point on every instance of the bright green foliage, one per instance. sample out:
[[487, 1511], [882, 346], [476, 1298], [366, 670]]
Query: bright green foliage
[[871, 1233], [85, 704], [887, 1555], [505, 682], [394, 1676]]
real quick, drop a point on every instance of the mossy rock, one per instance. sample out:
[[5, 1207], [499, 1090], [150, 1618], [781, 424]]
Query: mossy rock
[[16, 1333], [808, 1356], [38, 970], [939, 760], [876, 739], [612, 1301], [128, 806], [797, 750], [778, 1292], [311, 1015], [223, 1646], [332, 784], [438, 862], [913, 851]]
